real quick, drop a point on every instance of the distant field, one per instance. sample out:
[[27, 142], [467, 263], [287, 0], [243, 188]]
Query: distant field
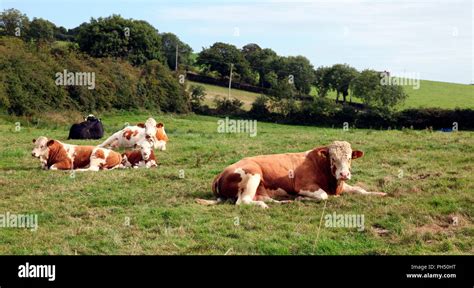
[[213, 91], [430, 94], [428, 177]]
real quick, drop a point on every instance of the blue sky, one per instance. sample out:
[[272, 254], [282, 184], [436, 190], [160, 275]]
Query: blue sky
[[430, 38]]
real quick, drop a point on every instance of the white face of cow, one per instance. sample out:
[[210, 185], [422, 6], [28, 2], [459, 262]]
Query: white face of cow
[[150, 128], [340, 154], [41, 148], [146, 147]]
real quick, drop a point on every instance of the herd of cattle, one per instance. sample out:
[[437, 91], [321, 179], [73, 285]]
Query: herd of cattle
[[143, 137], [277, 178]]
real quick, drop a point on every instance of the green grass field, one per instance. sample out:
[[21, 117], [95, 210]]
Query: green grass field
[[429, 94], [428, 177]]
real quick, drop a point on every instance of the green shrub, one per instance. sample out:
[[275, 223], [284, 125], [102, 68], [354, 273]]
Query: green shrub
[[198, 94], [227, 106]]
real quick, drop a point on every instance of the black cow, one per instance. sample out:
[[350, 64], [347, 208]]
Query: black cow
[[91, 128]]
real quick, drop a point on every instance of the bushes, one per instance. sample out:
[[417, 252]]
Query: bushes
[[28, 85], [228, 106], [325, 112], [198, 94], [436, 118], [259, 107]]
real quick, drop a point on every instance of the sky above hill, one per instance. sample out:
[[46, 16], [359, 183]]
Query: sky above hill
[[429, 39]]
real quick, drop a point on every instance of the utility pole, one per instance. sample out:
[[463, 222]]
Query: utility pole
[[230, 77], [176, 62]]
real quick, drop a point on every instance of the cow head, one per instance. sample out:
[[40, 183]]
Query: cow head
[[91, 118], [150, 128], [146, 148], [340, 155], [156, 133], [41, 148]]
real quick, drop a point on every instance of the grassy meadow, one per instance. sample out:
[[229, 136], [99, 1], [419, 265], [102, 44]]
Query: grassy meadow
[[430, 94], [428, 176]]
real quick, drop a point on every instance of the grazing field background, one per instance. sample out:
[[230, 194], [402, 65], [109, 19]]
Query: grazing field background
[[430, 94], [428, 176]]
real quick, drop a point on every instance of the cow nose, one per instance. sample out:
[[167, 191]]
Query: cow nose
[[344, 175]]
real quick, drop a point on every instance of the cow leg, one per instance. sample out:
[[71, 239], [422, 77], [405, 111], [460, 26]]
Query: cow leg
[[93, 168], [317, 195], [111, 141], [358, 190], [268, 199], [209, 202], [64, 165], [248, 189]]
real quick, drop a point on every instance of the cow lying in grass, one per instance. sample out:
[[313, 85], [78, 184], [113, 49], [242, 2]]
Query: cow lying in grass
[[55, 155], [142, 156], [91, 128], [131, 135], [310, 175]]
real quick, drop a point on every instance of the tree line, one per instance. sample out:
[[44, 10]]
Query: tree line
[[283, 77]]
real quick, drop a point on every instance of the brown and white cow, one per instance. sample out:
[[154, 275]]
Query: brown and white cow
[[142, 156], [310, 175], [131, 135], [55, 155]]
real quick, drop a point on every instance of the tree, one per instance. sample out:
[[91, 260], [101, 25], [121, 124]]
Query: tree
[[341, 76], [368, 87], [13, 21], [115, 36], [322, 80], [168, 46], [250, 49], [41, 30], [302, 71], [260, 61], [220, 56]]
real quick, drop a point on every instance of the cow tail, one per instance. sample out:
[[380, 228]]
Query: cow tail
[[215, 191], [215, 185]]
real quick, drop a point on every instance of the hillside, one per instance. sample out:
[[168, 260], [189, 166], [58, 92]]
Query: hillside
[[430, 94]]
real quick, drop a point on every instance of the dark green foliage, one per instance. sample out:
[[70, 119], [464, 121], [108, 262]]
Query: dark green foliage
[[28, 74], [220, 56], [227, 106], [198, 94], [13, 21], [115, 36], [168, 46], [259, 107], [41, 30], [368, 87], [159, 88], [337, 77]]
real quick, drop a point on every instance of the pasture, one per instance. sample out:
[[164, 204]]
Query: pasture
[[428, 176], [430, 94]]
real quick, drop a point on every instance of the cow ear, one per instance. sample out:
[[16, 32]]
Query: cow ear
[[323, 152], [141, 125], [34, 140], [50, 142], [159, 125], [357, 154]]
